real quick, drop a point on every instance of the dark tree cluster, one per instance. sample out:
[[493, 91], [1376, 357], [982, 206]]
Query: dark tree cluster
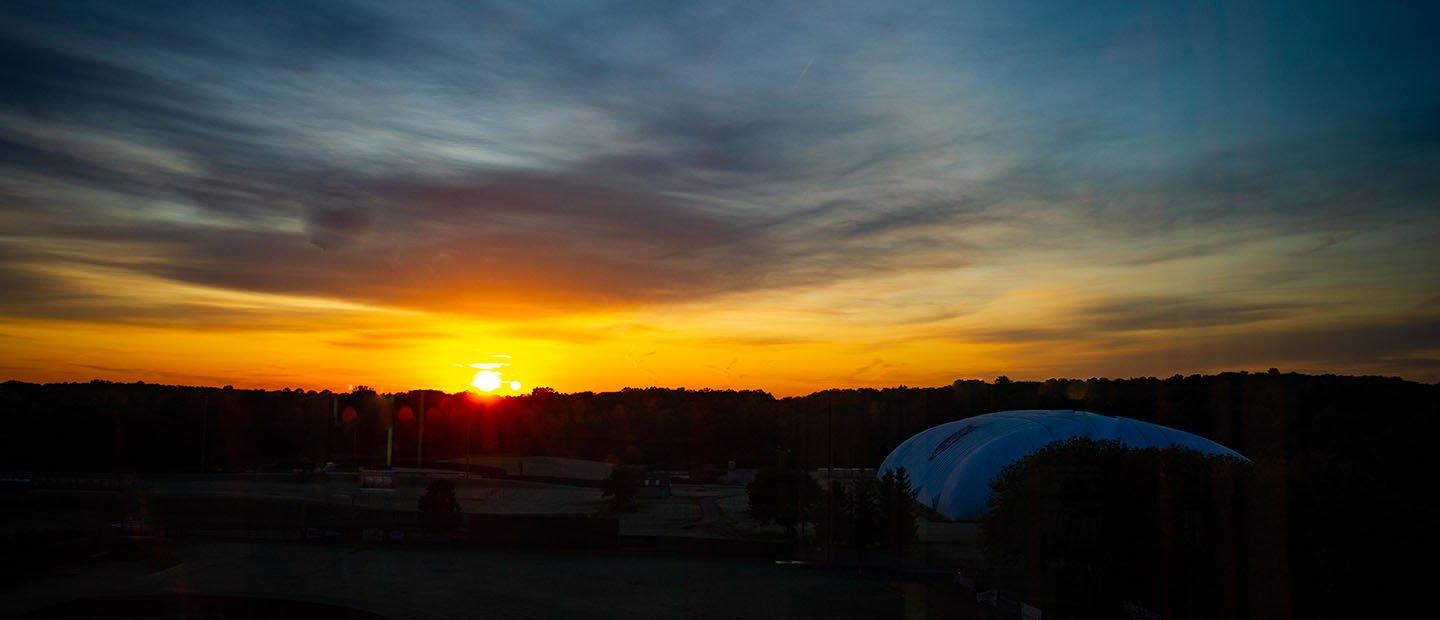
[[620, 487], [439, 511], [1093, 526], [863, 514], [857, 514], [784, 497], [895, 497]]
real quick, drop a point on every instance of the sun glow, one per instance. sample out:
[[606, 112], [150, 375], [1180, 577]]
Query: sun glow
[[490, 376], [486, 381]]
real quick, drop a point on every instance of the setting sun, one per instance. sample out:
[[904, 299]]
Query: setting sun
[[486, 381]]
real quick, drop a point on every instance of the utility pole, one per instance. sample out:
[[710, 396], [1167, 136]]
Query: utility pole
[[420, 432], [469, 415], [390, 433], [330, 428], [204, 429], [830, 482], [355, 437]]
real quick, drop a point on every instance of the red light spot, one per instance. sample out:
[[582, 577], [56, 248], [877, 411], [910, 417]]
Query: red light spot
[[349, 415], [406, 415]]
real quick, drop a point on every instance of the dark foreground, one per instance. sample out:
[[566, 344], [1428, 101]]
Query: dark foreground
[[401, 583]]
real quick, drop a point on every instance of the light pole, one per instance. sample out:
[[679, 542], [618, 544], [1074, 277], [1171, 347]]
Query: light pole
[[204, 429], [420, 432], [830, 476], [482, 402], [390, 432]]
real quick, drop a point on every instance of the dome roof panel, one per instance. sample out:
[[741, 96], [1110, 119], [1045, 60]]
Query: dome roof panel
[[953, 464]]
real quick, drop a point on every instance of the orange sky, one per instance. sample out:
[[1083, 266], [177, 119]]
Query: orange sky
[[1026, 317], [711, 196]]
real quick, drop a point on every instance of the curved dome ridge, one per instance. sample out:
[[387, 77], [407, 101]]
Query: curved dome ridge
[[953, 464]]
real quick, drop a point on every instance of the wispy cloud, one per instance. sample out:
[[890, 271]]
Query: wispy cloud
[[913, 169]]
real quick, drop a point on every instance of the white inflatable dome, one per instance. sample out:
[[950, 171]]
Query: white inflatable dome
[[952, 465]]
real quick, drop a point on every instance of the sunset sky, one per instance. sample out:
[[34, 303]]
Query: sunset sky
[[754, 195]]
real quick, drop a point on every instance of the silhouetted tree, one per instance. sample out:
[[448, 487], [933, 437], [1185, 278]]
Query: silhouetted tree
[[439, 510], [620, 486], [862, 513], [781, 497], [897, 506], [832, 528]]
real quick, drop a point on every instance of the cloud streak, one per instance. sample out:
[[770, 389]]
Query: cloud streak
[[1161, 170]]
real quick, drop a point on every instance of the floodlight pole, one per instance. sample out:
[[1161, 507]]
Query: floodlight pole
[[390, 433], [830, 476], [469, 416], [330, 428], [204, 429], [420, 432]]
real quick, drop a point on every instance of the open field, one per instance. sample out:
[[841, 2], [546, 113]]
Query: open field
[[476, 495], [684, 513], [441, 584]]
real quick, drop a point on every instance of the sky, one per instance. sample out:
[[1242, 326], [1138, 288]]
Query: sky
[[788, 197]]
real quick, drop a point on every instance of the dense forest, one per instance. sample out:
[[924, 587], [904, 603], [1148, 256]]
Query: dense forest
[[1335, 490]]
